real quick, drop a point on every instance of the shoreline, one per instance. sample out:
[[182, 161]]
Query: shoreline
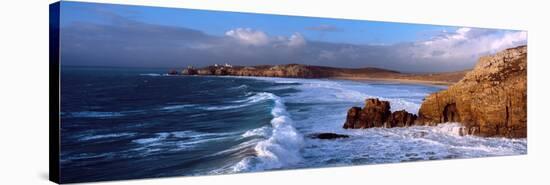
[[397, 80], [443, 84]]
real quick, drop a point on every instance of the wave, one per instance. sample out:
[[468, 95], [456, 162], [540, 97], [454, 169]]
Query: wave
[[91, 114], [340, 91], [251, 100], [177, 141], [244, 86], [151, 74], [281, 149], [106, 136], [176, 107], [155, 74], [261, 132]]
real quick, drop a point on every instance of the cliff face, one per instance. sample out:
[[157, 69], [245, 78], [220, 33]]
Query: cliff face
[[491, 100]]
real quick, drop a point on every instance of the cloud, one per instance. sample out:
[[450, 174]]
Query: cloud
[[125, 42], [248, 36], [324, 28], [465, 43], [296, 40]]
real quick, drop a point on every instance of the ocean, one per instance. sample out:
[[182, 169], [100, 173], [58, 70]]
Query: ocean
[[122, 123]]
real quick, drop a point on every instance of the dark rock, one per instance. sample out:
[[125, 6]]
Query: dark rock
[[377, 113], [352, 117], [400, 118], [173, 72], [374, 114], [327, 136]]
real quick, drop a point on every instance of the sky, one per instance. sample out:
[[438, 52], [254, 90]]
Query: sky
[[139, 36]]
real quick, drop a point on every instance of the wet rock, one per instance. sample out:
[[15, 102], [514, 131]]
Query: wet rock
[[374, 114], [400, 118], [327, 136], [352, 117]]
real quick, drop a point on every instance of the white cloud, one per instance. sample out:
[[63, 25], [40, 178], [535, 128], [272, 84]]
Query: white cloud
[[296, 40], [508, 40], [248, 36], [466, 43]]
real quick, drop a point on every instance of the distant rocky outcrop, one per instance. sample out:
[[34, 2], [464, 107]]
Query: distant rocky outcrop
[[288, 71], [491, 100], [376, 113], [189, 71], [311, 71]]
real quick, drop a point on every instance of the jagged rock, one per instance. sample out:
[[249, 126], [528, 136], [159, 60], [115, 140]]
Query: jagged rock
[[400, 118], [352, 117], [327, 136], [374, 114], [491, 100]]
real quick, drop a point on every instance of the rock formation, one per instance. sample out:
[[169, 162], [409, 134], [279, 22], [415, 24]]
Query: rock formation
[[289, 71], [310, 71], [189, 71], [327, 136], [491, 100], [377, 113], [401, 119]]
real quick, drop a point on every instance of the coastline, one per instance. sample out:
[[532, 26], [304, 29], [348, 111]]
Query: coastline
[[397, 80], [323, 72]]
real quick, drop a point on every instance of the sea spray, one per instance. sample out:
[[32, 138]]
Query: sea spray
[[281, 149]]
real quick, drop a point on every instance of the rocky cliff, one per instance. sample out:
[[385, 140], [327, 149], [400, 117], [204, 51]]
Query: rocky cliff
[[491, 100]]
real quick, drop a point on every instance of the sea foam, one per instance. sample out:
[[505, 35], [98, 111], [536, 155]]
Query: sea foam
[[283, 146]]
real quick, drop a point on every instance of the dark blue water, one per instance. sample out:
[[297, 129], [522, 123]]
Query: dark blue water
[[124, 123]]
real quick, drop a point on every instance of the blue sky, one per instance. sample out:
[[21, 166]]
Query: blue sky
[[122, 35], [218, 22]]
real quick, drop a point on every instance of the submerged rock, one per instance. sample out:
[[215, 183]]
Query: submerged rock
[[491, 100], [327, 136]]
